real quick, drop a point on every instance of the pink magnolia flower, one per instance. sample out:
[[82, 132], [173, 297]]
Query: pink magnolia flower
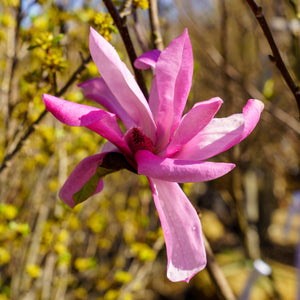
[[159, 142]]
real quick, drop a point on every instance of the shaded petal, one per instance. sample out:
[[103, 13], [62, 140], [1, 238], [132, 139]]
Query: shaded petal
[[182, 230], [147, 60], [98, 120], [97, 90], [192, 123], [121, 83], [174, 71], [222, 133], [109, 147], [79, 176], [179, 170]]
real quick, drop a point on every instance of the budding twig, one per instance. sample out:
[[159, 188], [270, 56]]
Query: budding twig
[[275, 57]]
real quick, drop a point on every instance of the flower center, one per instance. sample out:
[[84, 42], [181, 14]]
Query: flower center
[[136, 140]]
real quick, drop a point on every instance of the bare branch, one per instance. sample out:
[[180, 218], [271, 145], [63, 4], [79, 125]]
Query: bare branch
[[155, 27], [216, 274], [125, 6], [276, 57]]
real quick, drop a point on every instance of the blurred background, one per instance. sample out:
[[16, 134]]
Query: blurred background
[[111, 246]]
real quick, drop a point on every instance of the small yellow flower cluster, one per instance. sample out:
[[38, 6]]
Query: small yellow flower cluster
[[143, 4], [49, 51], [4, 256], [103, 22], [85, 263], [54, 61], [43, 40], [10, 231], [34, 271], [12, 3]]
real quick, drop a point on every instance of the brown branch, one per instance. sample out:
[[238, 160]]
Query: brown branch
[[275, 57], [216, 274], [155, 27], [224, 53], [33, 125], [128, 43], [75, 76]]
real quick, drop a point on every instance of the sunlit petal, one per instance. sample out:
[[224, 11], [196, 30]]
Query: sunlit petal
[[121, 82], [179, 170], [182, 230], [222, 133]]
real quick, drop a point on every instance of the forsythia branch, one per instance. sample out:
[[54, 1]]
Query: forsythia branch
[[33, 125]]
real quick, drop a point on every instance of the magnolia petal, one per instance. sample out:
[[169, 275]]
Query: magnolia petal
[[121, 83], [98, 120], [79, 176], [73, 114], [192, 123], [97, 90], [147, 60], [109, 147], [174, 71], [183, 171], [222, 133], [182, 230], [153, 99]]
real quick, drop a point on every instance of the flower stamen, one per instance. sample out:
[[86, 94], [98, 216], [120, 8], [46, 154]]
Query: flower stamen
[[136, 140]]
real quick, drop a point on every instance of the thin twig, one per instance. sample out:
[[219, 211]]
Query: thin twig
[[12, 45], [236, 77], [75, 76], [33, 125], [216, 274], [128, 43], [224, 52], [275, 57], [125, 6], [155, 27]]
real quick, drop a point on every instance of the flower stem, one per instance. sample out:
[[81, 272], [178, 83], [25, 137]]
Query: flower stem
[[128, 44], [275, 57], [216, 274]]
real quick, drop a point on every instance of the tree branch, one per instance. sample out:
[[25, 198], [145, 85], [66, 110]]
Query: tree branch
[[155, 27], [33, 125], [275, 57], [216, 274]]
